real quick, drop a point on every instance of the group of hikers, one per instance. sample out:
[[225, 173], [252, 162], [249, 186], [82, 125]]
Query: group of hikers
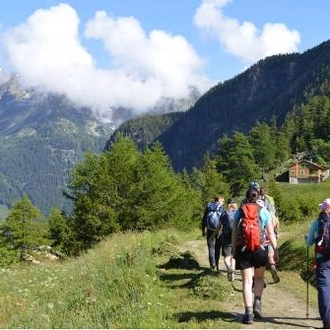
[[246, 236]]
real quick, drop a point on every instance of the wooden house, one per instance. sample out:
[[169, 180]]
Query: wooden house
[[305, 171]]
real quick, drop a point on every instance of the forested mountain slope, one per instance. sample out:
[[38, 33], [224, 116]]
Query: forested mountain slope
[[269, 89], [42, 137]]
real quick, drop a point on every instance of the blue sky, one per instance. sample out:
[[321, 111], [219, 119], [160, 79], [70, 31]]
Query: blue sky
[[134, 53]]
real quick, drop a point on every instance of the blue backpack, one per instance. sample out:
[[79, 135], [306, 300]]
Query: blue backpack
[[213, 216]]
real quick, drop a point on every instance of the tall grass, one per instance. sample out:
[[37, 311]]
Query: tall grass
[[115, 285]]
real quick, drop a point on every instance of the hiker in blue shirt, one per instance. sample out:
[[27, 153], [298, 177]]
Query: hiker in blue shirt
[[212, 235], [270, 206], [252, 263], [322, 262]]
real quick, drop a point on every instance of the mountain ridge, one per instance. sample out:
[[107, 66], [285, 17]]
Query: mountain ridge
[[268, 89]]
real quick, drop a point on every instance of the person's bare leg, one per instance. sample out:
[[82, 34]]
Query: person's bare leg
[[258, 289], [247, 287], [247, 279]]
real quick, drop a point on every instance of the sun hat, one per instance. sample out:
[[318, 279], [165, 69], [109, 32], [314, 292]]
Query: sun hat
[[325, 204]]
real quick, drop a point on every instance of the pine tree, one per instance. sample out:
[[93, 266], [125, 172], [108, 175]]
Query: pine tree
[[25, 227]]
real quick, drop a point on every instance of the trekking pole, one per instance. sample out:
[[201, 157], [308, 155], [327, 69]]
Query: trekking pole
[[307, 282]]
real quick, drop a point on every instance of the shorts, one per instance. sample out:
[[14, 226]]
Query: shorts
[[247, 259], [227, 251]]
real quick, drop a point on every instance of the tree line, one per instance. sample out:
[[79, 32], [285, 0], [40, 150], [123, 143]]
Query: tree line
[[125, 188]]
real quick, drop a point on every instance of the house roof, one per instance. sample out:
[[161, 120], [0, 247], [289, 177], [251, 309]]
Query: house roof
[[318, 166]]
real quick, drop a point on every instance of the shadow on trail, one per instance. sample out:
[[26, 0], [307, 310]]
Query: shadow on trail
[[183, 280], [188, 270], [236, 317], [297, 322], [204, 316]]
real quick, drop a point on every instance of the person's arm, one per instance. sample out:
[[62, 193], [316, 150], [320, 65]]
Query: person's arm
[[269, 205], [276, 225], [312, 233], [270, 232]]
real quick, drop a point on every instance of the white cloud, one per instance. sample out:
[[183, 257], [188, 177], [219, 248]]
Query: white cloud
[[47, 50], [244, 40], [4, 77]]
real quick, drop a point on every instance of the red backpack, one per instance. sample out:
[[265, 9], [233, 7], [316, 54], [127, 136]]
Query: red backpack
[[250, 227]]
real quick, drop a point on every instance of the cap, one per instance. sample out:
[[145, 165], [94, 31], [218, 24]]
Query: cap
[[254, 185], [325, 204], [231, 201]]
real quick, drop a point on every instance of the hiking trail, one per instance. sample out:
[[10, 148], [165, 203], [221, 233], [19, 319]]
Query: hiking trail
[[281, 309]]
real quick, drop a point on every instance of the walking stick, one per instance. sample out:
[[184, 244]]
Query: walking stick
[[307, 282]]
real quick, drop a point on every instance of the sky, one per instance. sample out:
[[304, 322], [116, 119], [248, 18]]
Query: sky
[[135, 53]]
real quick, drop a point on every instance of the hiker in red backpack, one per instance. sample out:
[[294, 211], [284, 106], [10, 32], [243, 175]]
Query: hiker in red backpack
[[252, 222], [319, 235], [210, 224]]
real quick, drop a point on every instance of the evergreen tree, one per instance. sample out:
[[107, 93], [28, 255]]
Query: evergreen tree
[[209, 181], [61, 233], [238, 165], [282, 147], [25, 227], [158, 197], [100, 187], [263, 146]]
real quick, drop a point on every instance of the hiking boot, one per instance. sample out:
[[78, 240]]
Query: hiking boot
[[273, 271], [248, 318], [326, 325], [230, 275], [257, 309]]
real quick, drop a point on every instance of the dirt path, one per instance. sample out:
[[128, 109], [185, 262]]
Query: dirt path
[[289, 313]]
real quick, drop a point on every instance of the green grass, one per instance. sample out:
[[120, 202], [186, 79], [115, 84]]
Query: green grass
[[317, 191]]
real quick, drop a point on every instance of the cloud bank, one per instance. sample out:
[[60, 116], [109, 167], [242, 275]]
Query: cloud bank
[[143, 67]]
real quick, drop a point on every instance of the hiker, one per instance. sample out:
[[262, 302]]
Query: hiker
[[250, 255], [252, 185], [319, 235], [210, 223], [269, 204], [226, 228]]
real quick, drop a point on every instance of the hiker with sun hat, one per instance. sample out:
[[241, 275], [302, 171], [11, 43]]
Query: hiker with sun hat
[[319, 236]]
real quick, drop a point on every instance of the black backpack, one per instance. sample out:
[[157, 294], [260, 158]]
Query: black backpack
[[226, 229]]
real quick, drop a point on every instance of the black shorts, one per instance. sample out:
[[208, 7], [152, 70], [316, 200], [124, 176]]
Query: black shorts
[[247, 259]]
